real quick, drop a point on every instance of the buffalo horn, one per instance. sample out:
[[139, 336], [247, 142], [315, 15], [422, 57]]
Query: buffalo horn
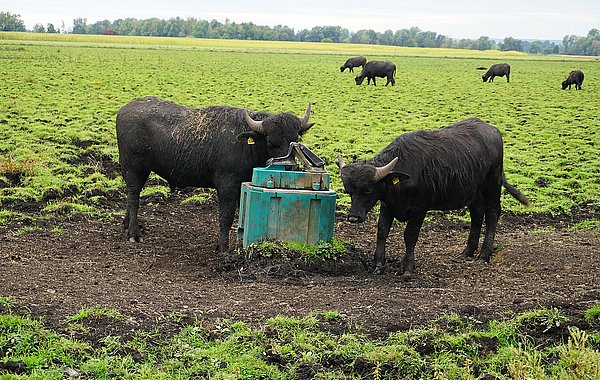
[[341, 162], [383, 171], [304, 119], [256, 126]]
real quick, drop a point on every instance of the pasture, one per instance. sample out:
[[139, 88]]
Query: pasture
[[59, 103], [61, 202]]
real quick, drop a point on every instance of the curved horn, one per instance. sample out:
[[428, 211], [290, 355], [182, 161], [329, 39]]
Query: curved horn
[[304, 119], [383, 171], [340, 161], [256, 126]]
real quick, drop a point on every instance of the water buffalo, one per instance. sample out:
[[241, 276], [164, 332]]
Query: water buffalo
[[374, 69], [351, 63], [497, 70], [449, 168], [215, 147], [576, 78]]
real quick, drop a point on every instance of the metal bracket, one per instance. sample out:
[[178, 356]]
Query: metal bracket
[[309, 160]]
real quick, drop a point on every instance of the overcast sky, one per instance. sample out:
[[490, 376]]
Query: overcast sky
[[523, 19]]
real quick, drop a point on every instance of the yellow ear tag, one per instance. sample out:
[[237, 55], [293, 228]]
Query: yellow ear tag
[[250, 141], [395, 180]]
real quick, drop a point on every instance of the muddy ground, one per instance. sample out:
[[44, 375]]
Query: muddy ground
[[74, 262]]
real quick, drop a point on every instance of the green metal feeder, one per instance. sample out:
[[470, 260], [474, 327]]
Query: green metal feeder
[[288, 204]]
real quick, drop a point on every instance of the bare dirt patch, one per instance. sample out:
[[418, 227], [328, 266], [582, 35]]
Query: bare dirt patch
[[72, 263]]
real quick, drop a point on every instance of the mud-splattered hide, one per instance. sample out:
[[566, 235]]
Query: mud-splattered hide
[[214, 147]]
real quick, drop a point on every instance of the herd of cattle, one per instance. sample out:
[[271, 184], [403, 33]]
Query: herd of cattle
[[217, 147], [386, 69]]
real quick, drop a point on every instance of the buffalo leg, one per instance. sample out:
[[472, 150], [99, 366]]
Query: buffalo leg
[[411, 235], [229, 197], [492, 214], [135, 182], [383, 230], [507, 78], [477, 213]]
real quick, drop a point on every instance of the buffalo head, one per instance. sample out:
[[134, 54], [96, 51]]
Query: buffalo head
[[359, 79], [366, 184], [278, 130]]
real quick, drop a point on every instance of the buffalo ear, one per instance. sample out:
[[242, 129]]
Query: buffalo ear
[[396, 177], [249, 136]]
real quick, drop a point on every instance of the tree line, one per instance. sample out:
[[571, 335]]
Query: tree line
[[411, 37]]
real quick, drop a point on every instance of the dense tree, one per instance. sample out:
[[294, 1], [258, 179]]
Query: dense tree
[[511, 44], [80, 26], [51, 29], [414, 37], [11, 22], [39, 28]]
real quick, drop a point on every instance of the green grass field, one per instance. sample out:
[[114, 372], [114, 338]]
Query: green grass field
[[60, 97], [58, 101], [324, 345]]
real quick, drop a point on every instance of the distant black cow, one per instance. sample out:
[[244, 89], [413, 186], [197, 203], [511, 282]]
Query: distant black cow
[[374, 69], [215, 147], [576, 78], [351, 63], [445, 169], [497, 70]]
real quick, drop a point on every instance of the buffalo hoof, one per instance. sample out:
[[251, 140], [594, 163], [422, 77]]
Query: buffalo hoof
[[379, 269], [407, 276], [466, 254], [482, 259], [134, 239]]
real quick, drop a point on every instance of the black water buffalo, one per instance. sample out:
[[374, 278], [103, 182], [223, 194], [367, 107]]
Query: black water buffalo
[[497, 70], [374, 69], [351, 63], [449, 168], [214, 147], [576, 78]]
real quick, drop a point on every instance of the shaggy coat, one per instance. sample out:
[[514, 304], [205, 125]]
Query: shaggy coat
[[214, 147]]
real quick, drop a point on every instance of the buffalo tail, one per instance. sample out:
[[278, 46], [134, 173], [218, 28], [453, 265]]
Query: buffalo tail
[[515, 192]]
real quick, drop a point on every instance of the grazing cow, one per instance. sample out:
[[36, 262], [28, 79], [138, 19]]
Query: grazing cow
[[374, 69], [215, 147], [497, 70], [576, 78], [449, 168], [351, 63]]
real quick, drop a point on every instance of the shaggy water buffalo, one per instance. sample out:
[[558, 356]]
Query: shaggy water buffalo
[[449, 168], [351, 63], [575, 77], [374, 69], [215, 147], [497, 70]]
